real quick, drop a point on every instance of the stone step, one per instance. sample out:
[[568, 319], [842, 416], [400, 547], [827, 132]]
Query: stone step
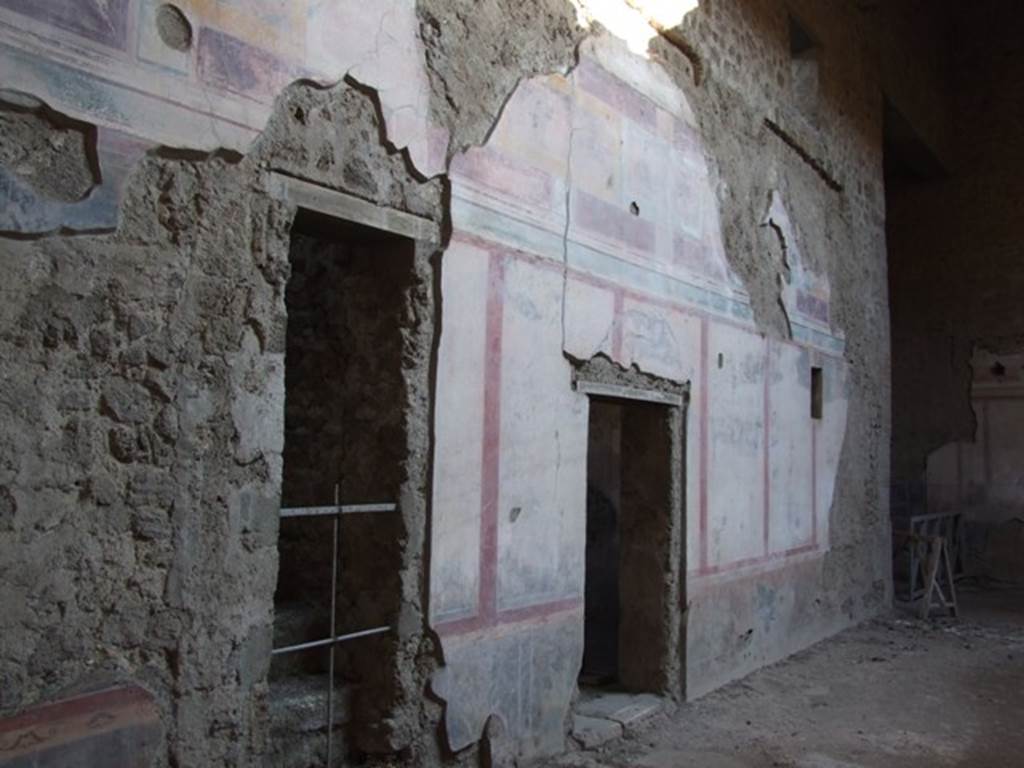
[[627, 709], [298, 623], [298, 720], [593, 732], [602, 717], [300, 703]]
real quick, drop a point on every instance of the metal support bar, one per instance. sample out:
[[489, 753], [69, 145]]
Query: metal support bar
[[334, 512], [329, 641], [345, 509], [334, 631]]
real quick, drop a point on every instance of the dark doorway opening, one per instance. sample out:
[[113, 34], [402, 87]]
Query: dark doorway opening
[[631, 500], [345, 443]]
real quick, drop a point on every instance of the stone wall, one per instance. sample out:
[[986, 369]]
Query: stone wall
[[955, 274], [826, 166], [679, 207], [143, 402], [354, 314]]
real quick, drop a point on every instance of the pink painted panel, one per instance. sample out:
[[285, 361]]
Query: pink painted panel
[[617, 94], [506, 175]]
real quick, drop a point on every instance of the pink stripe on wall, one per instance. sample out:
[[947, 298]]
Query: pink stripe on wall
[[703, 468], [617, 94], [600, 217], [714, 570], [487, 601], [491, 448], [814, 470], [500, 172], [766, 521], [487, 612]]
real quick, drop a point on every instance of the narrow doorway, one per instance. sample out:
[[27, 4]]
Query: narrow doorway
[[345, 447], [631, 499]]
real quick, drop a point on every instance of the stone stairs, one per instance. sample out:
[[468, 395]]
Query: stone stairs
[[600, 717], [298, 692]]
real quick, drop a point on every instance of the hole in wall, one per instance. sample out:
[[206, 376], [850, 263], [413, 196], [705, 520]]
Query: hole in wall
[[721, 360], [817, 393], [907, 157], [804, 54], [800, 40], [50, 152], [173, 27], [998, 369], [634, 208], [629, 469], [346, 300]]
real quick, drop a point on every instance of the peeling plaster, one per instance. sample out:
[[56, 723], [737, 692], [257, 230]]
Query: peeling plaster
[[804, 294], [225, 107]]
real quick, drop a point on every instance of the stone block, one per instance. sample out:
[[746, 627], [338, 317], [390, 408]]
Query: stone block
[[626, 709], [592, 732]]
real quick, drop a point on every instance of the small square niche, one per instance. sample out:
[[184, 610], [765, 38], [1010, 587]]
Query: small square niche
[[804, 60]]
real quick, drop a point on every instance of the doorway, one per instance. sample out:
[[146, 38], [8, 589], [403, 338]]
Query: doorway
[[345, 460], [633, 566]]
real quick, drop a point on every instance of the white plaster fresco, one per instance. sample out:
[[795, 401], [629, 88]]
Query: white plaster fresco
[[984, 477], [735, 480], [789, 449], [218, 93], [804, 293], [543, 433], [455, 561], [594, 196]]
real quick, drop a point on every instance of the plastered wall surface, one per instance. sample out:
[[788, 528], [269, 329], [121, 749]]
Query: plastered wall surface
[[105, 62], [563, 267], [981, 479], [600, 202]]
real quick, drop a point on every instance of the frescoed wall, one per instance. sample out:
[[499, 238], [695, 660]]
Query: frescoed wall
[[209, 86], [588, 225], [983, 479]]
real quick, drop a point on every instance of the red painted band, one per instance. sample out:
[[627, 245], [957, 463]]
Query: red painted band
[[703, 469], [491, 448], [766, 521]]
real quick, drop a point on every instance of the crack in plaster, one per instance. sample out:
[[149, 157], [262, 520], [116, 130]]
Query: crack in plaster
[[784, 276], [568, 207]]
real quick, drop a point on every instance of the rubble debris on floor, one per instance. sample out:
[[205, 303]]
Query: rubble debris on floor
[[896, 692]]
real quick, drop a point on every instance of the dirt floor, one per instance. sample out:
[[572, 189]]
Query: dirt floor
[[896, 691]]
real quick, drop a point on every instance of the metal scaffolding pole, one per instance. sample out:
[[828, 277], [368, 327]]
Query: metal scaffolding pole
[[331, 642]]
